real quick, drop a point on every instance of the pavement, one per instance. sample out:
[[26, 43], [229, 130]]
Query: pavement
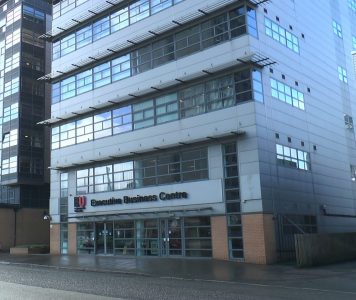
[[191, 269]]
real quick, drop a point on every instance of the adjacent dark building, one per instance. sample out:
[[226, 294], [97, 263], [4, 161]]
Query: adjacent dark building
[[24, 157]]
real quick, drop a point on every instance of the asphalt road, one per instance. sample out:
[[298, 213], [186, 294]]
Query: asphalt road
[[33, 282]]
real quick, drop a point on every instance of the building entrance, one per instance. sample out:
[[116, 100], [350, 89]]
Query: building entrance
[[170, 237], [104, 238], [185, 236]]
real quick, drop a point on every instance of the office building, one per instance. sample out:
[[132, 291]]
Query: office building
[[215, 128], [24, 175]]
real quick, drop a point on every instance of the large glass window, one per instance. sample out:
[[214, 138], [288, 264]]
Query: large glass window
[[122, 119], [102, 125], [168, 168], [143, 114], [219, 93], [102, 75], [197, 233], [119, 19], [158, 5], [68, 88], [281, 35], [108, 24], [243, 86], [84, 36], [85, 181], [68, 44], [123, 175], [63, 211], [147, 237], [101, 28], [67, 134], [84, 82], [11, 112], [56, 92], [192, 101], [85, 238], [237, 21], [162, 51], [84, 130], [291, 157], [103, 178], [9, 165], [218, 29], [141, 60], [121, 67], [139, 10], [232, 200], [287, 94], [11, 87], [165, 168], [124, 237], [55, 138], [166, 108], [194, 164], [187, 41], [56, 50], [215, 31], [10, 139]]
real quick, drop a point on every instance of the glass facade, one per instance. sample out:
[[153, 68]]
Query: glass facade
[[188, 236], [183, 43], [205, 97], [165, 168], [232, 200], [22, 61], [109, 24], [63, 212]]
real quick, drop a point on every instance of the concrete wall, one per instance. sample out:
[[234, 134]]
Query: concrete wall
[[322, 249]]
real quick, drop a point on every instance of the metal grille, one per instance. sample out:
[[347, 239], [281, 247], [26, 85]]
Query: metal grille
[[287, 227]]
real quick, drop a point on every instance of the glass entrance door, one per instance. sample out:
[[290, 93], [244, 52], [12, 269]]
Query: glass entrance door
[[104, 238], [171, 237]]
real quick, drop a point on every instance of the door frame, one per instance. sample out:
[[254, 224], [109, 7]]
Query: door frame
[[164, 237], [105, 234]]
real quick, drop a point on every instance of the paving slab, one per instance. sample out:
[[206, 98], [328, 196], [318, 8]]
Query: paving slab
[[334, 277]]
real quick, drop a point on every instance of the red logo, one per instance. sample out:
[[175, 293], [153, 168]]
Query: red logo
[[79, 203]]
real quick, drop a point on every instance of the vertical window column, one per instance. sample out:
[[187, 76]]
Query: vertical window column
[[232, 200], [63, 212]]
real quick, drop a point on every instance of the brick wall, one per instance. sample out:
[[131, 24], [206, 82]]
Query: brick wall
[[259, 238], [219, 237], [31, 228], [7, 223], [72, 238], [55, 239]]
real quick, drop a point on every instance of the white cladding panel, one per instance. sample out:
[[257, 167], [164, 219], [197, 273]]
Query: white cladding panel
[[202, 193]]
